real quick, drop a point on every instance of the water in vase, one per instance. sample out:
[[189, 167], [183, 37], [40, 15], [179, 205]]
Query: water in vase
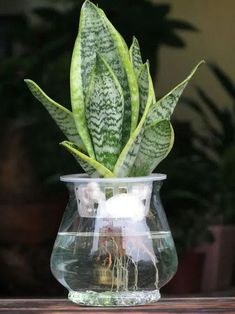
[[113, 260]]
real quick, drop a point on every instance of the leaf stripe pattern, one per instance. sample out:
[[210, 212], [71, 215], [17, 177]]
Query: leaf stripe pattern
[[155, 145], [85, 166], [126, 159], [82, 63], [104, 113], [137, 64], [122, 68], [135, 56], [144, 87], [128, 155], [116, 127], [103, 171], [96, 35], [62, 116], [164, 108], [152, 86]]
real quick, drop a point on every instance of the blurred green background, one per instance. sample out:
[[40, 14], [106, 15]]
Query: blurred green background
[[36, 41]]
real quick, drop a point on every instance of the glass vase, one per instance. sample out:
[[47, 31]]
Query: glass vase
[[114, 246]]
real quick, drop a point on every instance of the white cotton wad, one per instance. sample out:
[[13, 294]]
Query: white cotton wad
[[122, 206]]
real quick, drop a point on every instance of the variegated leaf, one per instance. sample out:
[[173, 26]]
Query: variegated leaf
[[144, 83], [155, 145], [87, 162], [62, 116], [150, 117], [164, 107], [130, 90], [82, 62], [97, 35], [104, 113], [127, 157], [137, 64], [135, 56], [85, 166], [152, 87]]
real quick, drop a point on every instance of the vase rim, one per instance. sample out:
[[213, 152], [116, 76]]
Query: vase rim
[[84, 178]]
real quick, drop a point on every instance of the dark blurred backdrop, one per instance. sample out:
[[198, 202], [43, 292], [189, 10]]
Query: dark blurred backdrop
[[36, 41]]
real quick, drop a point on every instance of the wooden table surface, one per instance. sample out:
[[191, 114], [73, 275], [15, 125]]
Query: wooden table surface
[[165, 305]]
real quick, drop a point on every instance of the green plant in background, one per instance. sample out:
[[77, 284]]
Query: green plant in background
[[116, 126], [185, 192], [216, 148]]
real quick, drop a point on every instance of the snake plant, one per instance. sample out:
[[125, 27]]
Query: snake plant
[[116, 128]]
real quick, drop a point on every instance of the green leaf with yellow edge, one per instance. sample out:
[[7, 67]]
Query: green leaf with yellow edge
[[129, 85], [162, 110], [128, 155], [74, 150], [85, 166], [62, 116], [145, 87], [104, 113], [156, 143], [164, 107], [135, 56], [97, 35], [137, 64]]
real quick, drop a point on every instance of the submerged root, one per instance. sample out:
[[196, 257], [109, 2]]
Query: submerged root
[[118, 263]]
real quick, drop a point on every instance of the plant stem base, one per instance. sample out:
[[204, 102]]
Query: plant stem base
[[122, 298]]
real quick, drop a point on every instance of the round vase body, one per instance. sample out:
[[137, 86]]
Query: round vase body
[[114, 246]]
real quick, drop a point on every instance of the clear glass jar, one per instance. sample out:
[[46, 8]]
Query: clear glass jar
[[114, 245]]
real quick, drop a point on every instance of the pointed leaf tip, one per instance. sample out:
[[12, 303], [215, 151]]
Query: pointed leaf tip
[[88, 3], [198, 65], [164, 107], [135, 55]]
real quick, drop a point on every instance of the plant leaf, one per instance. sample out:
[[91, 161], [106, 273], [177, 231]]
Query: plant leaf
[[162, 110], [97, 35], [128, 81], [82, 62], [104, 112], [152, 91], [145, 86], [135, 56], [164, 107], [128, 155], [137, 64], [155, 145], [74, 150], [62, 116], [84, 164]]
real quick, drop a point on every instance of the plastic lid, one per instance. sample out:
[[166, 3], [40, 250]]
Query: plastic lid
[[84, 178]]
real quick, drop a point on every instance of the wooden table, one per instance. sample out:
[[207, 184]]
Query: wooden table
[[167, 305]]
